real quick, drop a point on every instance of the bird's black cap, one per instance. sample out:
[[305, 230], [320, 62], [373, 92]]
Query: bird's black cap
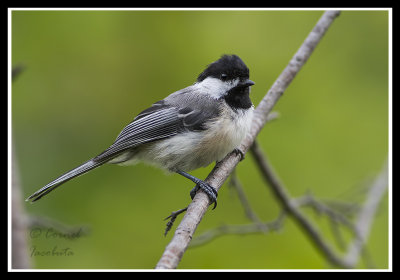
[[228, 67]]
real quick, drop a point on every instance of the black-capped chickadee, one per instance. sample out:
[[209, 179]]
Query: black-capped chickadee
[[189, 129]]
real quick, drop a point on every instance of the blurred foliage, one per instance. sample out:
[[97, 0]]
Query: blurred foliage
[[88, 73]]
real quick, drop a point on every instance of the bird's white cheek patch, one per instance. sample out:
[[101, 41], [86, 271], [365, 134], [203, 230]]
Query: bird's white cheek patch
[[215, 87]]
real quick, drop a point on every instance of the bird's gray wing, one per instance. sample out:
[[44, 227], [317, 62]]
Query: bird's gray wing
[[160, 121], [150, 125]]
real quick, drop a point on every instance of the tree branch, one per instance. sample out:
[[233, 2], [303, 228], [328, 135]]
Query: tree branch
[[197, 208], [20, 258], [361, 227], [19, 244], [290, 206]]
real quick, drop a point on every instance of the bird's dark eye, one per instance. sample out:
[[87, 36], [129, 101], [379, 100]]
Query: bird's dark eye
[[224, 77]]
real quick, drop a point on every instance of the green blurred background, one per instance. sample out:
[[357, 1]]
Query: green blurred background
[[88, 73]]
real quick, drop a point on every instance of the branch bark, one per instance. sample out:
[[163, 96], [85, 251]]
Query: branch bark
[[197, 208]]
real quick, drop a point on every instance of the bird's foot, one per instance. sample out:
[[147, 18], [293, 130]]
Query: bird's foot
[[172, 219], [238, 151], [208, 189]]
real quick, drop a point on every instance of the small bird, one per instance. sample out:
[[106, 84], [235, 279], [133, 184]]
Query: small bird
[[189, 129]]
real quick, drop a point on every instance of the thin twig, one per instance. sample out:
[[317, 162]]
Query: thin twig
[[212, 234], [319, 207], [196, 210], [245, 203], [366, 216]]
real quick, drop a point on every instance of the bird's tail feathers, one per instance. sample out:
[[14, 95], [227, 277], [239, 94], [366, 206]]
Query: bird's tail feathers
[[80, 170]]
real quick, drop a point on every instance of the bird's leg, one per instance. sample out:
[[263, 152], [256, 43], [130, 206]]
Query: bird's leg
[[207, 188]]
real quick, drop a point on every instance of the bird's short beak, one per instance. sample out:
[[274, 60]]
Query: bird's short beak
[[247, 83]]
